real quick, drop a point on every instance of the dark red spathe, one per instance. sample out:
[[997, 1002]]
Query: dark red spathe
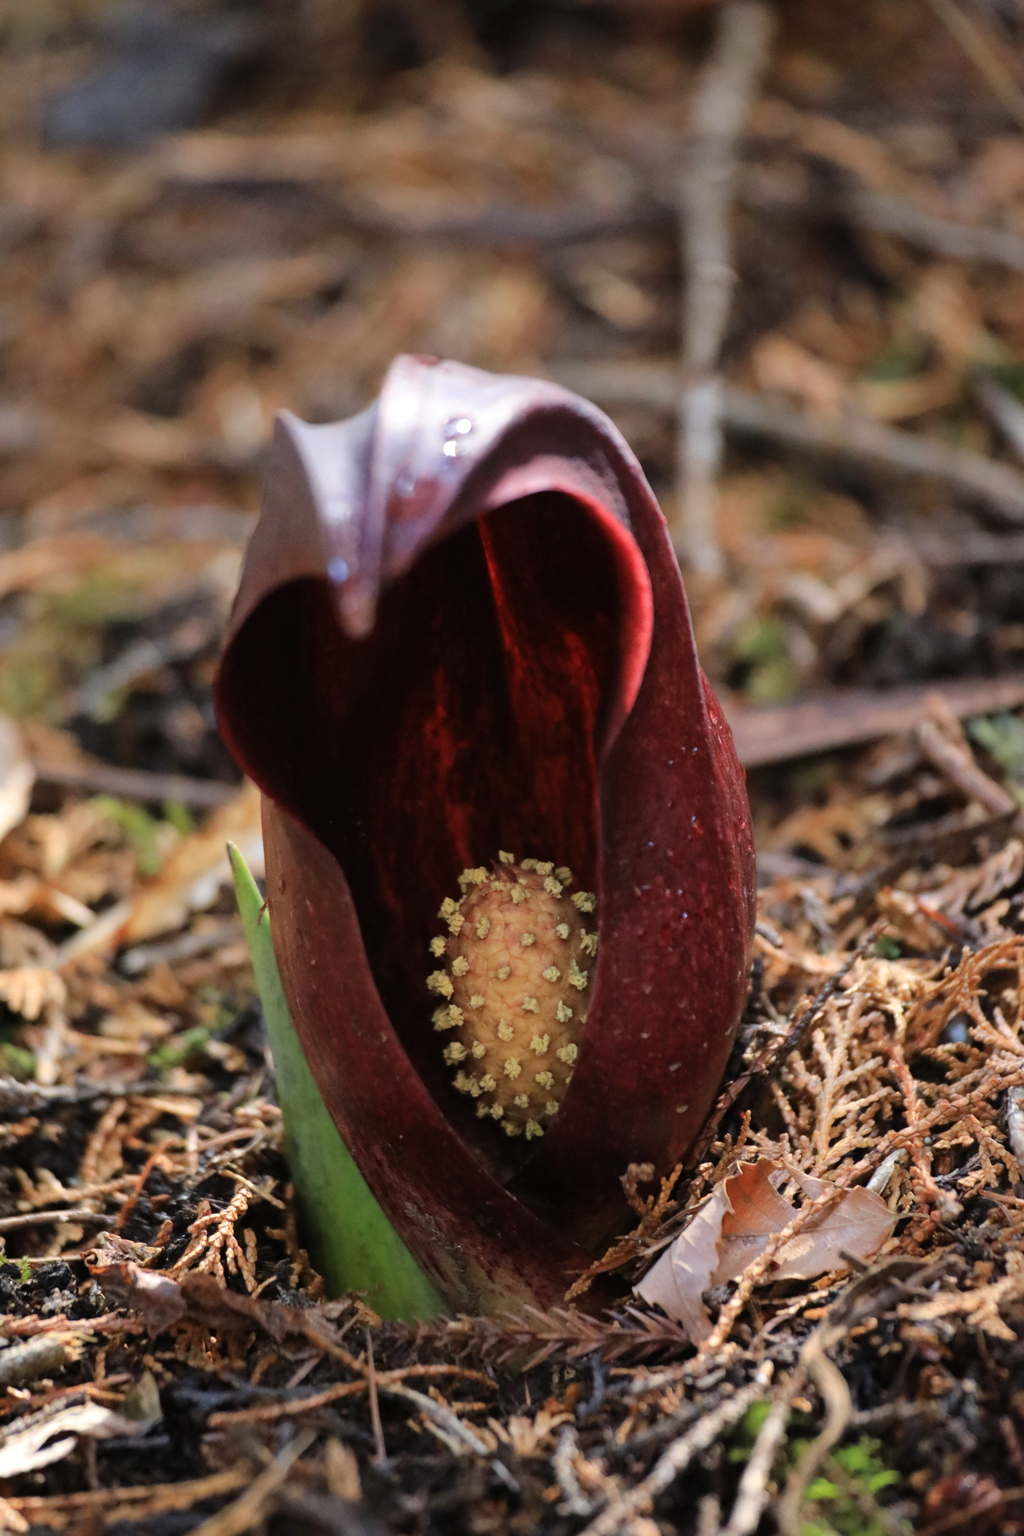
[[461, 627]]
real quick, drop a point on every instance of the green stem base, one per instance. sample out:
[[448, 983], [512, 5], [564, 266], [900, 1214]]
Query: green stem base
[[349, 1239]]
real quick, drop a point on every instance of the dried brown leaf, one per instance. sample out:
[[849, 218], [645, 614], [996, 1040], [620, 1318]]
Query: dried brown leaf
[[195, 870], [34, 1447], [734, 1227], [156, 1297], [199, 1297]]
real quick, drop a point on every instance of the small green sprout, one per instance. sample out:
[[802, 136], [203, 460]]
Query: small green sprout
[[842, 1502], [349, 1238], [141, 829], [175, 1051]]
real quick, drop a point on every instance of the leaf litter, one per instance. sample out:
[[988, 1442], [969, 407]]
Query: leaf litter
[[854, 1216], [732, 1229], [160, 307]]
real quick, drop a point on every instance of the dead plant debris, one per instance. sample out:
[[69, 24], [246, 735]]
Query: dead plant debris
[[398, 178], [849, 1241]]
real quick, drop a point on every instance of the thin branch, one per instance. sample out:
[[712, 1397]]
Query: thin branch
[[176, 1495], [754, 1492], [720, 107], [574, 1500], [675, 1460], [28, 1098], [831, 1383], [136, 783], [380, 1454], [960, 768], [451, 1426], [518, 224], [888, 214], [984, 55], [709, 1514], [1005, 410], [39, 1218], [776, 733], [998, 486], [249, 1508], [137, 660], [1015, 1125]]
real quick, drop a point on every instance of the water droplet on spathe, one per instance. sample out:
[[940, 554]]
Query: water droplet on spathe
[[405, 484], [338, 569], [453, 433]]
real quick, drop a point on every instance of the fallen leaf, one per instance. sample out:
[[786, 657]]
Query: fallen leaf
[[734, 1227], [17, 776], [195, 870], [217, 1308], [35, 1447], [161, 1302], [156, 1297], [784, 366], [684, 1271]]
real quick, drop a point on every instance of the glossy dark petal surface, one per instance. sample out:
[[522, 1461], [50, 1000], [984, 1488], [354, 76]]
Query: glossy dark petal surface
[[461, 628]]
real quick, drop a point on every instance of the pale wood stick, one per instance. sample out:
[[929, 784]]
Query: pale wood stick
[[721, 103]]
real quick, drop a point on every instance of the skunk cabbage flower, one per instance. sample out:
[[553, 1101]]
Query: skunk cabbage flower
[[508, 852]]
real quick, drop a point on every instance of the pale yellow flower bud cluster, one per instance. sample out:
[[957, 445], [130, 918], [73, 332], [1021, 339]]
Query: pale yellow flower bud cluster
[[514, 988]]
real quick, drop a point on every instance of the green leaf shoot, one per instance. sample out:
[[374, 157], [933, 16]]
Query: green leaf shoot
[[350, 1240]]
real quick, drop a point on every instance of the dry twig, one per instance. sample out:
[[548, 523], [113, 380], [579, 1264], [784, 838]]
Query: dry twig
[[997, 486], [136, 783], [380, 1449], [889, 214], [753, 1493], [983, 54], [955, 759], [249, 1508], [674, 1461], [720, 106], [831, 1383]]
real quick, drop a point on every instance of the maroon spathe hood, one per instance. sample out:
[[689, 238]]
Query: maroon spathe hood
[[461, 628]]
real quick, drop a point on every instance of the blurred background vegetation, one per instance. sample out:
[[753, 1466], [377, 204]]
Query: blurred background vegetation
[[209, 212]]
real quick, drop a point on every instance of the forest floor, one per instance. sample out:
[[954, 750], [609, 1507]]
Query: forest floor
[[504, 187]]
